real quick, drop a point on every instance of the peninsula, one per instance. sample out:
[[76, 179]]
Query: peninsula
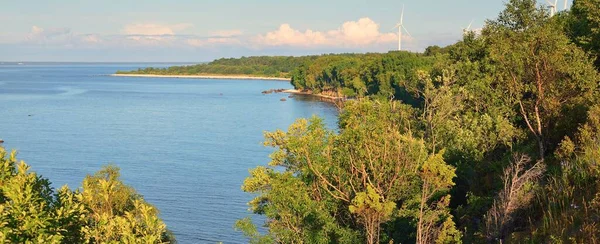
[[262, 67], [207, 76]]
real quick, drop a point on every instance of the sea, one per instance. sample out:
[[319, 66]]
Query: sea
[[186, 145]]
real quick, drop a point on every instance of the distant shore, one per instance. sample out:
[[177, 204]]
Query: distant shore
[[236, 77]]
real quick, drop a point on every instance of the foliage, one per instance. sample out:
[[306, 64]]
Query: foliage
[[116, 213], [264, 66], [344, 186], [543, 74], [105, 211], [361, 75], [426, 153], [583, 26]]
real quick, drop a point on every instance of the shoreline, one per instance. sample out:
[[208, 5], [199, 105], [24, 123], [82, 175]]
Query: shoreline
[[298, 92], [235, 77]]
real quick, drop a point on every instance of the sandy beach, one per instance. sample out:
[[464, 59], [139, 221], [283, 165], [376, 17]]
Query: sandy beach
[[237, 77]]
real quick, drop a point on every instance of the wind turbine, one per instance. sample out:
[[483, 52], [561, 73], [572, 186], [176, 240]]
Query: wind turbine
[[401, 27], [466, 30], [553, 7]]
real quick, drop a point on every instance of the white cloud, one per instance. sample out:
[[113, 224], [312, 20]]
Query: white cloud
[[90, 38], [147, 40], [226, 33], [361, 33], [154, 29], [213, 41], [50, 36], [285, 35]]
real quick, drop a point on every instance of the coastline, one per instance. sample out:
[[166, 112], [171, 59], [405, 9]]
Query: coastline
[[236, 77], [327, 97]]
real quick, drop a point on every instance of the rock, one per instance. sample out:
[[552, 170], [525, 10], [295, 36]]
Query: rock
[[273, 91], [283, 99]]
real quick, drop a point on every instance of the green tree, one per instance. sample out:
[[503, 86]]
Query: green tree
[[541, 72], [117, 214], [341, 186], [584, 26], [106, 211]]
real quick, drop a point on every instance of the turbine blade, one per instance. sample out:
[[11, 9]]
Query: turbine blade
[[402, 15], [406, 31], [394, 28], [470, 24]]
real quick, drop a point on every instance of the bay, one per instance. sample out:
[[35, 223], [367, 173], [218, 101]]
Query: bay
[[185, 144]]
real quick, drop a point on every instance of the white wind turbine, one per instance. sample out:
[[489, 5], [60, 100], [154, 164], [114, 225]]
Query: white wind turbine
[[466, 30], [553, 7], [401, 27]]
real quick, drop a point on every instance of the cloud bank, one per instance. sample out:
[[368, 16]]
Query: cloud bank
[[39, 35], [154, 29], [142, 40], [361, 33]]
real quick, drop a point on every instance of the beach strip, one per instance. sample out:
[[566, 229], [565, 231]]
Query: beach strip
[[235, 77]]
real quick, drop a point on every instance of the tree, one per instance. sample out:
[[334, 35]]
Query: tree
[[107, 211], [116, 213], [517, 194], [336, 186], [540, 72], [29, 209], [584, 26], [434, 220]]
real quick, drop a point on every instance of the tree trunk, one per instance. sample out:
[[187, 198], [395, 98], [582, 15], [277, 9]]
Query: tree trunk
[[541, 148], [420, 227], [371, 227]]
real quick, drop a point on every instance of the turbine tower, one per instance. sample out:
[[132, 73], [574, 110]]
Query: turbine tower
[[553, 7], [566, 4], [401, 27]]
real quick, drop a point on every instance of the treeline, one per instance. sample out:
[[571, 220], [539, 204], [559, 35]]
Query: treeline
[[495, 139], [361, 75], [263, 66], [103, 210]]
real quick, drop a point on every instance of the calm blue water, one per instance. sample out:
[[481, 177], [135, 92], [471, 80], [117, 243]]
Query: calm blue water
[[185, 144]]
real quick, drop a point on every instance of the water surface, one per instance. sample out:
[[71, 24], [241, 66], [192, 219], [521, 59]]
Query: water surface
[[185, 144]]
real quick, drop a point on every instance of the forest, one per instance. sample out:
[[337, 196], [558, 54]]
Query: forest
[[494, 139], [261, 66]]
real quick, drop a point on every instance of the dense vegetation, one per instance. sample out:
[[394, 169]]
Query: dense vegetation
[[265, 66], [495, 139], [362, 74], [104, 210]]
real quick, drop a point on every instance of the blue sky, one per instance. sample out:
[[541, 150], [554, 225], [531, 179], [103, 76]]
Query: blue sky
[[194, 30]]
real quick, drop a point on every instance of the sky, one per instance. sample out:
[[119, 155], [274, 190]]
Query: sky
[[203, 30]]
